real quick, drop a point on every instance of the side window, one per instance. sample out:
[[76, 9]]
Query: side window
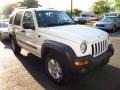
[[11, 20], [28, 22], [28, 17], [17, 19], [119, 19]]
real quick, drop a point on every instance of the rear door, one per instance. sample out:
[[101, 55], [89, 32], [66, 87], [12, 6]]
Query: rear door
[[17, 28]]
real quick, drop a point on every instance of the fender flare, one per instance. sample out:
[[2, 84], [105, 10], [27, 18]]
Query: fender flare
[[65, 50]]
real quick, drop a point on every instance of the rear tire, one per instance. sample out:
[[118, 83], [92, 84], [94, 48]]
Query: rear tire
[[14, 46], [56, 68]]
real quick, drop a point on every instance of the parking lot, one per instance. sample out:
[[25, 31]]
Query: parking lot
[[26, 72]]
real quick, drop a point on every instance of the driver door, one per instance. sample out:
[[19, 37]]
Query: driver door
[[30, 32]]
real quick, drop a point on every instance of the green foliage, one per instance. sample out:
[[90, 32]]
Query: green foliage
[[117, 4], [68, 12], [75, 12], [29, 3], [101, 6]]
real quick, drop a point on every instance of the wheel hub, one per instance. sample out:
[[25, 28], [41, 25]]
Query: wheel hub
[[54, 69]]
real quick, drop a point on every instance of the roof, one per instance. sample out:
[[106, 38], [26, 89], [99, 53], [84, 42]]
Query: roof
[[112, 16], [36, 9]]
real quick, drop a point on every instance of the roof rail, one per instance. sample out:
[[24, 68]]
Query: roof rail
[[50, 8]]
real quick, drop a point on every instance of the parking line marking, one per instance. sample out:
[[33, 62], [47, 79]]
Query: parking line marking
[[3, 71]]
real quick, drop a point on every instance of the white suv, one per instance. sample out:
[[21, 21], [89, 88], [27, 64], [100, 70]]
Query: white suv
[[64, 46]]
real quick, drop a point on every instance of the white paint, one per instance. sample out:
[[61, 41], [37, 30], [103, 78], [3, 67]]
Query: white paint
[[71, 35]]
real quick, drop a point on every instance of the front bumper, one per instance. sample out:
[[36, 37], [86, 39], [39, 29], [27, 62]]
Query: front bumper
[[94, 61]]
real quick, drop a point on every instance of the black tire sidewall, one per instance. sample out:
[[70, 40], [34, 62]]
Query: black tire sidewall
[[17, 48], [65, 70]]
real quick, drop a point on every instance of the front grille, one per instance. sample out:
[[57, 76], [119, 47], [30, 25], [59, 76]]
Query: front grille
[[99, 47]]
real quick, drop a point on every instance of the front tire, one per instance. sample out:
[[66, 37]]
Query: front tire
[[56, 68], [15, 48]]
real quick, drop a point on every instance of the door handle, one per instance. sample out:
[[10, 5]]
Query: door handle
[[23, 31], [39, 35]]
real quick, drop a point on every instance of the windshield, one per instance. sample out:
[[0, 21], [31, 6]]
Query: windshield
[[53, 18], [3, 25], [110, 19]]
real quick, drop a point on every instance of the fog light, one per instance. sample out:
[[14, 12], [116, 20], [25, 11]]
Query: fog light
[[77, 63], [83, 70], [87, 62]]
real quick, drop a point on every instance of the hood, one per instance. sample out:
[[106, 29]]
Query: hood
[[76, 33], [103, 22]]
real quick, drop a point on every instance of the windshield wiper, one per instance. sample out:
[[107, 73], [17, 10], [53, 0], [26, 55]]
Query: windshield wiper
[[60, 24], [67, 23], [50, 25]]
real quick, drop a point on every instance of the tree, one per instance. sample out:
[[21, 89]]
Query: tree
[[7, 10], [29, 3], [76, 12], [117, 4], [68, 12], [101, 7]]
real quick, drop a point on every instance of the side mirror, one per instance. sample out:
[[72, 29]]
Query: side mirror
[[26, 25], [29, 26]]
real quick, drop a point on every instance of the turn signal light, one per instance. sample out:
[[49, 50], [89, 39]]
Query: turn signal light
[[77, 63]]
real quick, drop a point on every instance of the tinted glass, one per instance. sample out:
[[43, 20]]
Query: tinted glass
[[110, 19], [18, 18], [28, 22], [11, 20], [28, 18], [53, 18]]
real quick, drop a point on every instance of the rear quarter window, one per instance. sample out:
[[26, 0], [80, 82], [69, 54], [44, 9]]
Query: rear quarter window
[[11, 20]]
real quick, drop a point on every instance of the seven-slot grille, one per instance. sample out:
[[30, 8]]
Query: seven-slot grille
[[99, 47]]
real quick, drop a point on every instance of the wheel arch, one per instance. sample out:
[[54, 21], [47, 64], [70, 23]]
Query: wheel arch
[[61, 48], [12, 35]]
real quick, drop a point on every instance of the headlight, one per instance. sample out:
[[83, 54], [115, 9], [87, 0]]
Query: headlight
[[83, 47], [94, 24]]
